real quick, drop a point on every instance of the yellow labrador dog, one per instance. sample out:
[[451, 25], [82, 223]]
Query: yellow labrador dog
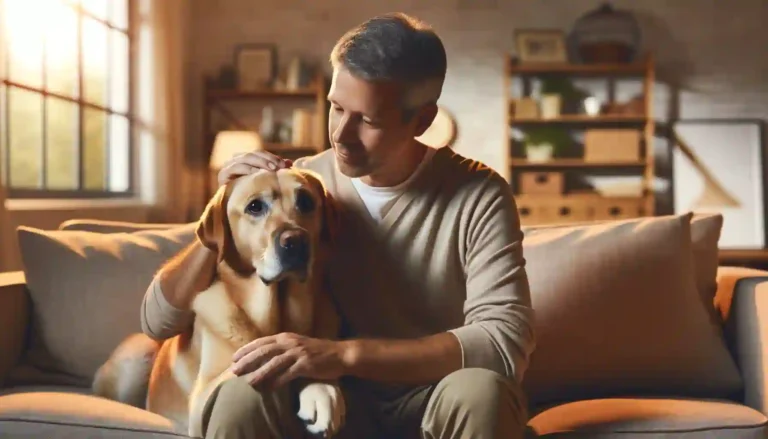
[[272, 232]]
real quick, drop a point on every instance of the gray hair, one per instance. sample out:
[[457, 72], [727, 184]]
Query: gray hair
[[395, 47]]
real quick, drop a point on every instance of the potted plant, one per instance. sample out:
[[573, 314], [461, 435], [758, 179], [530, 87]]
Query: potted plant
[[545, 142]]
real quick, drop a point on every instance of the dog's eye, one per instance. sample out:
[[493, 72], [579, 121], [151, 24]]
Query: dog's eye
[[255, 207], [304, 202]]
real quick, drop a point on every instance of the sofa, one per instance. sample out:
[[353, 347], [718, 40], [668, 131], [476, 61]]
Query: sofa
[[640, 332]]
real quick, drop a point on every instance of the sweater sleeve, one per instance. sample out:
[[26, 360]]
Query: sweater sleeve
[[498, 329], [159, 319]]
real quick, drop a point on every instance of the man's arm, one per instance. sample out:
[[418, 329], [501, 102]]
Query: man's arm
[[165, 309], [416, 361], [498, 331]]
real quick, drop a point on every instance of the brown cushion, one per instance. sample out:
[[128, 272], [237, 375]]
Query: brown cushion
[[106, 226], [618, 312], [640, 417], [705, 235], [67, 413], [86, 290]]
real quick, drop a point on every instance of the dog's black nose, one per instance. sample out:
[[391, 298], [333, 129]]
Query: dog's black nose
[[293, 248]]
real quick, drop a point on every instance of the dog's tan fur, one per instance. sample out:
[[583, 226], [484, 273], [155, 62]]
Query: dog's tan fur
[[248, 299]]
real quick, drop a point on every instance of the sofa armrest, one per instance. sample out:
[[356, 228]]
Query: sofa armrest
[[746, 328], [14, 318]]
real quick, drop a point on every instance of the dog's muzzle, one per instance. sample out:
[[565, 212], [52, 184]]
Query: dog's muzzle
[[293, 249]]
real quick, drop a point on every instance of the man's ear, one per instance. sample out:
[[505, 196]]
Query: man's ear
[[214, 231], [425, 117]]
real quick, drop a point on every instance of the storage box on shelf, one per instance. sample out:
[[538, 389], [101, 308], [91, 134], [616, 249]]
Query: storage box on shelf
[[539, 209], [617, 141]]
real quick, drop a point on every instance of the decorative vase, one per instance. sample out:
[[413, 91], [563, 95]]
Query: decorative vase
[[539, 153], [550, 106], [605, 34]]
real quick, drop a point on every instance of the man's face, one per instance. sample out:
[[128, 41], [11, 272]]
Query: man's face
[[366, 126]]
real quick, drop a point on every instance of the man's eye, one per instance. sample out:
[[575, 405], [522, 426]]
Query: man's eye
[[256, 207]]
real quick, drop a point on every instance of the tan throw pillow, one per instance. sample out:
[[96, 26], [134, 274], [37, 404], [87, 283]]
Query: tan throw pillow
[[86, 290], [618, 312], [705, 235]]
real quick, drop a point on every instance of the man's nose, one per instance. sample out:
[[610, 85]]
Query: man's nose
[[345, 130]]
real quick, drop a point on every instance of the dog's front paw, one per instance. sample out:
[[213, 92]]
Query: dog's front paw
[[323, 408]]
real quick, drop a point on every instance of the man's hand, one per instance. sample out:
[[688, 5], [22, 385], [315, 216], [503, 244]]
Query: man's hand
[[276, 360], [244, 164]]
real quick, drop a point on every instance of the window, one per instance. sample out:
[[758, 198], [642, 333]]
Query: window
[[65, 98]]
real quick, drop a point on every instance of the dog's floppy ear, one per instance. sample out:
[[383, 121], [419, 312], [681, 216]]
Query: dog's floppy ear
[[330, 218], [214, 231], [330, 210]]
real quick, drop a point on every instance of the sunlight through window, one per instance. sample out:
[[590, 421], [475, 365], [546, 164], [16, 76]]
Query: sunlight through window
[[65, 96]]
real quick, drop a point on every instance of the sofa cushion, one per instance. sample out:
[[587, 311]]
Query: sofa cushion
[[86, 290], [107, 226], [618, 312], [705, 235], [65, 412], [646, 417]]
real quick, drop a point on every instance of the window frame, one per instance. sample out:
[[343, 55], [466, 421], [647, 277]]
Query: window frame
[[81, 105]]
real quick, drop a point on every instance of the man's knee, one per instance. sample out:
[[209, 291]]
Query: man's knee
[[476, 399], [236, 410]]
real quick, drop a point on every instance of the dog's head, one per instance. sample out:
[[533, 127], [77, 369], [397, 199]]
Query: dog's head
[[276, 224]]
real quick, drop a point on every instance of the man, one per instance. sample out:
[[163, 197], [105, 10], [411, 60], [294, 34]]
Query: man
[[429, 274]]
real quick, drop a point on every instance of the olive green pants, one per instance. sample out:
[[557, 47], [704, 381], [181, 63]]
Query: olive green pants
[[469, 403]]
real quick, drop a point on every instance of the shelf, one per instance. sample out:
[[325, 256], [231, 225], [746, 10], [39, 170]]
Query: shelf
[[574, 163], [636, 68], [265, 93], [580, 118]]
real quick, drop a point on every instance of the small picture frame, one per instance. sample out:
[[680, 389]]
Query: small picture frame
[[541, 46], [256, 66]]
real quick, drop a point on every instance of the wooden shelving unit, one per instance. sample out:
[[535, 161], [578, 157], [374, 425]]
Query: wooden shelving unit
[[576, 204], [313, 96]]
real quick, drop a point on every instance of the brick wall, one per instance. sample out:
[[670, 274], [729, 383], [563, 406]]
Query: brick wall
[[720, 61]]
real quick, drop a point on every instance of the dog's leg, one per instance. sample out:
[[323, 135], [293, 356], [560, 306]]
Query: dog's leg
[[322, 407], [124, 377], [212, 359]]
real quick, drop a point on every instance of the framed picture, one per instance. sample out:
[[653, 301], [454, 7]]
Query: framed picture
[[718, 166], [541, 46], [256, 66]]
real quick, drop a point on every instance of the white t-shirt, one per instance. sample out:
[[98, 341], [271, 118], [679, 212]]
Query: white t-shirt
[[378, 200]]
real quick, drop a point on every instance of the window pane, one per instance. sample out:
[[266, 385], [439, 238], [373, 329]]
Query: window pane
[[119, 153], [118, 72], [61, 138], [61, 52], [97, 8], [26, 138], [118, 10], [94, 149], [94, 45], [25, 27]]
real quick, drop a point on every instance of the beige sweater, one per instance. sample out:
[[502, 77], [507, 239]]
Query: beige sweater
[[447, 256]]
